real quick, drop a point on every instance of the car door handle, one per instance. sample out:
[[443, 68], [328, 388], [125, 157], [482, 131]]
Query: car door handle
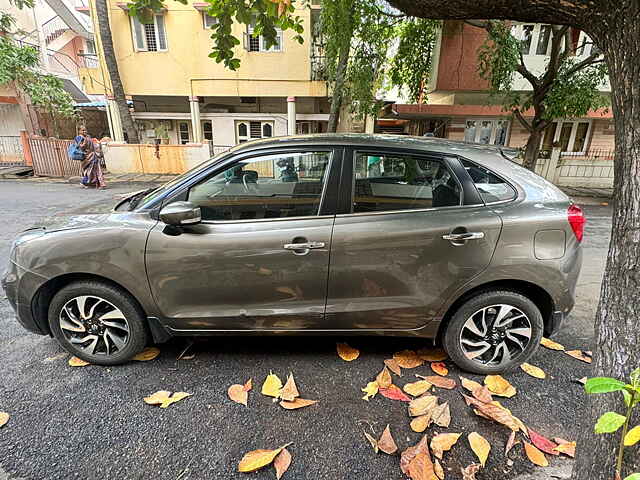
[[461, 237], [303, 246]]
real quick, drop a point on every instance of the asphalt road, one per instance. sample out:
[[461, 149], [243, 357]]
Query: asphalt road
[[91, 422]]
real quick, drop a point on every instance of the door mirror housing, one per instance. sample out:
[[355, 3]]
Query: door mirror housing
[[181, 213]]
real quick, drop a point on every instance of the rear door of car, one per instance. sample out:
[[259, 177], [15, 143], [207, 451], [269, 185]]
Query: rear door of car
[[411, 229]]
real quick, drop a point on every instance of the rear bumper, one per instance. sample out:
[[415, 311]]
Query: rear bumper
[[555, 323], [20, 286]]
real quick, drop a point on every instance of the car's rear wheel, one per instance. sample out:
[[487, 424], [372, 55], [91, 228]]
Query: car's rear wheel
[[97, 322], [494, 332]]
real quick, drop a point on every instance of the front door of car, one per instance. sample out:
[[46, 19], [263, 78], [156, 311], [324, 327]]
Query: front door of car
[[397, 255], [259, 259]]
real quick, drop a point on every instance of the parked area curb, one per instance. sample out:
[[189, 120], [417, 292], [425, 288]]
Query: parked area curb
[[130, 178]]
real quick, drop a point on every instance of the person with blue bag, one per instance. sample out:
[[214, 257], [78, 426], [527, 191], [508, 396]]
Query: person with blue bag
[[84, 149]]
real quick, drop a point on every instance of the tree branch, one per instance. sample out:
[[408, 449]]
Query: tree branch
[[522, 120], [587, 62]]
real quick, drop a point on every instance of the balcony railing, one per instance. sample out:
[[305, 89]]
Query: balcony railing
[[54, 28]]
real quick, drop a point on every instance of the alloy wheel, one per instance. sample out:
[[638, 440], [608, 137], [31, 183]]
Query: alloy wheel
[[94, 325], [494, 335]]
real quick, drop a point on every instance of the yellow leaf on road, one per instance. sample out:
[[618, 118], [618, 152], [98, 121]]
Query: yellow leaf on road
[[408, 359], [440, 368], [4, 418], [77, 362], [257, 459], [147, 354], [281, 463], [579, 355], [439, 471], [393, 366], [386, 443], [384, 378], [533, 371], [480, 447], [443, 443], [432, 354], [271, 386], [164, 398], [441, 415], [297, 403], [535, 456], [499, 386], [417, 388], [632, 437], [422, 405], [372, 441], [470, 385], [421, 423], [290, 391], [238, 394], [370, 390], [566, 447], [347, 353], [550, 344]]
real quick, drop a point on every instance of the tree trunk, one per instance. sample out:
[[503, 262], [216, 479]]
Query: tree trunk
[[128, 124], [338, 88], [532, 150], [617, 349]]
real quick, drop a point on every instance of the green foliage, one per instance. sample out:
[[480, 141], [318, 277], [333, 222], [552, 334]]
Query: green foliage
[[610, 422], [498, 58], [411, 64]]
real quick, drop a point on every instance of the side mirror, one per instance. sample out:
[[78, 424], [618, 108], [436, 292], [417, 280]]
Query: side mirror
[[180, 213]]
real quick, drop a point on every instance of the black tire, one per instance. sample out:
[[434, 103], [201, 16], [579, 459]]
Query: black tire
[[136, 337], [452, 336]]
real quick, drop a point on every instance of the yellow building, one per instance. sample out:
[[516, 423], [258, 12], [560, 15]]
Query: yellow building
[[179, 93]]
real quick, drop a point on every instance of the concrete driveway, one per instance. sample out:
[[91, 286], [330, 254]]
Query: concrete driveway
[[91, 422]]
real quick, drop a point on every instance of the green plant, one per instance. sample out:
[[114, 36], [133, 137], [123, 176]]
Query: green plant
[[610, 422]]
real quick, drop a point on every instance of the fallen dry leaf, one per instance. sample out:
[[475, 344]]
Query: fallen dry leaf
[[386, 443], [281, 463], [499, 386], [579, 355], [494, 412], [421, 468], [147, 354], [164, 398], [422, 405], [394, 393], [441, 415], [582, 380], [470, 385], [542, 443], [480, 446], [440, 368], [393, 366], [469, 473], [408, 359], [384, 378], [248, 385], [421, 423], [535, 456], [372, 441], [510, 443], [432, 354], [550, 344], [566, 447], [4, 418], [271, 386], [417, 388], [238, 394], [370, 390], [440, 382], [297, 403], [347, 353], [257, 459], [77, 362], [443, 442], [407, 456], [439, 471], [289, 392], [533, 371]]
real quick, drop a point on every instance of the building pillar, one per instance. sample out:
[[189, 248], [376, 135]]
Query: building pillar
[[26, 148], [115, 123], [551, 167], [196, 125], [369, 124], [291, 115]]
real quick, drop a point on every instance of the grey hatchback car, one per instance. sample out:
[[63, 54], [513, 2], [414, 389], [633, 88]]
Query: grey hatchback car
[[315, 234]]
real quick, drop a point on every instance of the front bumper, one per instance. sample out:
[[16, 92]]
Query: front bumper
[[20, 286]]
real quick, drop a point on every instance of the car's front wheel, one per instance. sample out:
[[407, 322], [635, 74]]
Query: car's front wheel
[[494, 332], [97, 322]]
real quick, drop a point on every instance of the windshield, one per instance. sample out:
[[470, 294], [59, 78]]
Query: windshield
[[150, 195]]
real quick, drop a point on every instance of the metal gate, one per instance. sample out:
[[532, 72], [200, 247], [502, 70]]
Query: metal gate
[[11, 154], [50, 158]]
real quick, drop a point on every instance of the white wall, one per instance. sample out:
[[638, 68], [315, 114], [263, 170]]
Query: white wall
[[10, 119]]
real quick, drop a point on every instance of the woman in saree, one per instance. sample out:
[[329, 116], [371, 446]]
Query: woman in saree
[[92, 174]]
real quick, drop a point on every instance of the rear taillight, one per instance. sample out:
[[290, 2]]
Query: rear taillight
[[576, 220]]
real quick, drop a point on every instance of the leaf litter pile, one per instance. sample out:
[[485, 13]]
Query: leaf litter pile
[[425, 459]]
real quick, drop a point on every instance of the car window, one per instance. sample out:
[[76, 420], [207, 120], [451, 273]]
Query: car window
[[272, 186], [491, 187], [402, 182]]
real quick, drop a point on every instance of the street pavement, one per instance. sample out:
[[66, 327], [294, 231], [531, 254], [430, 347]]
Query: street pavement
[[91, 422]]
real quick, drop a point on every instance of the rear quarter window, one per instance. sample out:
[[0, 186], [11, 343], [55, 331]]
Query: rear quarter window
[[491, 187]]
